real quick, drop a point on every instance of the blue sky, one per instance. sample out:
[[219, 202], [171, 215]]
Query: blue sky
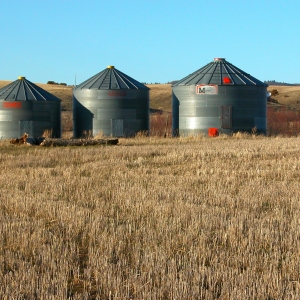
[[151, 41]]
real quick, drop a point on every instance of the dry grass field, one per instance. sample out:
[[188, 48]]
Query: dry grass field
[[153, 218], [150, 218]]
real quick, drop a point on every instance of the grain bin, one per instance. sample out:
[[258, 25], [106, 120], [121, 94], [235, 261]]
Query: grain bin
[[219, 96], [110, 103], [26, 107]]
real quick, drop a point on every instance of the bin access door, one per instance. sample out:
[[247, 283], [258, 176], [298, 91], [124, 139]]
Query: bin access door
[[226, 117]]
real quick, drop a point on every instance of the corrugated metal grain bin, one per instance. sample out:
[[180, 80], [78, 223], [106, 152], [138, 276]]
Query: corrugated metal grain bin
[[110, 103], [26, 107], [219, 96]]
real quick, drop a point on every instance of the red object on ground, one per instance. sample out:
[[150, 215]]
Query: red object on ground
[[213, 132]]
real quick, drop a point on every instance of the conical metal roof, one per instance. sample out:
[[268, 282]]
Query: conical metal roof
[[24, 90], [220, 72], [111, 79]]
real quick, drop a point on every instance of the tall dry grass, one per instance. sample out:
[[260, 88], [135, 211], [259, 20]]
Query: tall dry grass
[[152, 218]]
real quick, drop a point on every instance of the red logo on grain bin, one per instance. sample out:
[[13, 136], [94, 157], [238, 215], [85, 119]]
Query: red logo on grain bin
[[117, 93], [206, 89], [14, 104]]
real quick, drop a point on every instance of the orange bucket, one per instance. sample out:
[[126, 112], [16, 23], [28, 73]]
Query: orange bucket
[[213, 132]]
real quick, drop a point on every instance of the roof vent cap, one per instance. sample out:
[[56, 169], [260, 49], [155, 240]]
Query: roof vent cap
[[227, 80], [219, 59], [110, 67], [21, 77]]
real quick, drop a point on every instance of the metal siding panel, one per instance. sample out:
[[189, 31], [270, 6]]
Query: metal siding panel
[[242, 112], [102, 104], [40, 127], [55, 117], [102, 124], [241, 120], [207, 111], [9, 129], [26, 127], [128, 113], [22, 115], [5, 115], [133, 103], [175, 114], [143, 114], [132, 127], [117, 128], [41, 116], [43, 106], [260, 124], [191, 123], [245, 124], [201, 122], [82, 119], [188, 110], [47, 116], [250, 91], [103, 114], [182, 122]]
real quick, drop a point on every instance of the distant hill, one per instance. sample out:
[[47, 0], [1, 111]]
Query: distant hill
[[173, 82], [161, 96], [274, 82], [288, 95]]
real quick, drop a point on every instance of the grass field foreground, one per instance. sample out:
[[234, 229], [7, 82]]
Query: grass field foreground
[[185, 218]]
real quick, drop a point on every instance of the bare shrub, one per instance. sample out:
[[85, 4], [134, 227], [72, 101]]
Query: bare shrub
[[240, 135], [285, 122], [67, 134], [47, 133], [161, 124], [99, 135], [142, 134], [67, 121], [87, 134], [274, 92]]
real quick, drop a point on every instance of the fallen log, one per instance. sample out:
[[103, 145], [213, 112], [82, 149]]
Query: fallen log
[[77, 142]]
